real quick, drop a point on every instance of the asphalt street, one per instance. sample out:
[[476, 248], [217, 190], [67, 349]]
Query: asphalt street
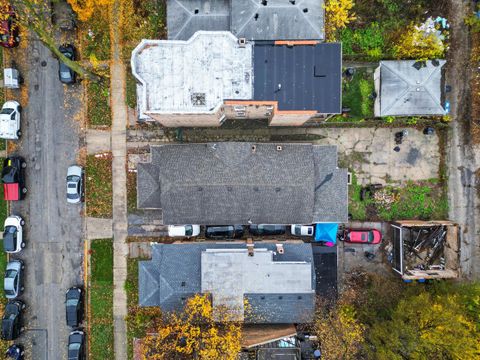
[[54, 230]]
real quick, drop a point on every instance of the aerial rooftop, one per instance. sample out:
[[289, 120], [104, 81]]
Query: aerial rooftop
[[250, 19], [201, 74], [409, 87], [242, 183], [278, 287]]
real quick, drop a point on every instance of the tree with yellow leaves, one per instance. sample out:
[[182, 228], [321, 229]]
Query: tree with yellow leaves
[[85, 8], [338, 13], [199, 332], [35, 15], [416, 44]]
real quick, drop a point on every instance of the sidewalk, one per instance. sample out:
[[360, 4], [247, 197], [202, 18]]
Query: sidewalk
[[119, 151]]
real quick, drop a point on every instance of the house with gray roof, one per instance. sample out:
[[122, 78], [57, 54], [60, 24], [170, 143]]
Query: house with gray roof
[[409, 88], [244, 183], [250, 19], [266, 284]]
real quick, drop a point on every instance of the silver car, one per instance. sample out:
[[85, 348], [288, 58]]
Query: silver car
[[13, 281], [74, 184]]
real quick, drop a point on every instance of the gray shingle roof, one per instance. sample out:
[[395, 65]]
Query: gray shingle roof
[[174, 274], [407, 91], [234, 183], [252, 19]]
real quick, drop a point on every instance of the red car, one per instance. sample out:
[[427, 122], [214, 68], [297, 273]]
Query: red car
[[362, 236], [8, 28]]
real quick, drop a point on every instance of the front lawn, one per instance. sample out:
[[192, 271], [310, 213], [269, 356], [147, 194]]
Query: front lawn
[[98, 107], [98, 195], [131, 191], [94, 35], [101, 299], [423, 200], [3, 301]]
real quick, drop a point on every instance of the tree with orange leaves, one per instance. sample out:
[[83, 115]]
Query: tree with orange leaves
[[199, 332], [85, 8]]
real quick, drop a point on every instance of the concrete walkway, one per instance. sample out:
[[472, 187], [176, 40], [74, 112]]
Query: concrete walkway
[[98, 228], [98, 141], [119, 151]]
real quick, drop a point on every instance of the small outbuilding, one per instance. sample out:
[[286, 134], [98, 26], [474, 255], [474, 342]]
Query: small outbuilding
[[409, 88]]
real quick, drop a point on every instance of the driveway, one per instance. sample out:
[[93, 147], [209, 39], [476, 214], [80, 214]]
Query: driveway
[[54, 231]]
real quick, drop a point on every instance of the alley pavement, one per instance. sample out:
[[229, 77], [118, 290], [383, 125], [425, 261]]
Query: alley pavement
[[54, 230]]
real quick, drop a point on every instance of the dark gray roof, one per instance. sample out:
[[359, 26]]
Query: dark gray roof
[[251, 19], [407, 88], [174, 274], [306, 77], [234, 183]]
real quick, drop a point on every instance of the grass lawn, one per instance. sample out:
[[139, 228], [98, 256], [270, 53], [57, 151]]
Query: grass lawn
[[95, 35], [98, 195], [131, 91], [424, 200], [139, 320], [3, 301], [98, 107], [101, 299]]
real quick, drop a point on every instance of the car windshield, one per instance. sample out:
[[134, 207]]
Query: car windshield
[[6, 111], [73, 178], [9, 292], [298, 230], [10, 273], [72, 302], [370, 236], [74, 347], [188, 230]]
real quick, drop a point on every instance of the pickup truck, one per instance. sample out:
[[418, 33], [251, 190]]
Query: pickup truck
[[13, 178]]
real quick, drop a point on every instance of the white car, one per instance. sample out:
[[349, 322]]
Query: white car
[[74, 184], [13, 234], [183, 230], [10, 121], [302, 230]]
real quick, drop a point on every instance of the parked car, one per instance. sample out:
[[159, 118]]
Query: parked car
[[267, 229], [63, 15], [74, 184], [65, 74], [9, 28], [12, 324], [13, 234], [76, 344], [10, 120], [362, 236], [13, 178], [302, 230], [15, 352], [13, 280], [224, 231], [183, 230], [74, 306]]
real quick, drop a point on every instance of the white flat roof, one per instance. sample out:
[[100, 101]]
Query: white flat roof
[[193, 76], [228, 274]]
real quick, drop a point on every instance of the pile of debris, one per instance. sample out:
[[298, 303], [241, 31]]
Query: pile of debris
[[425, 248]]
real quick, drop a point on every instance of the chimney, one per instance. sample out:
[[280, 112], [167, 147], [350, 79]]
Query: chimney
[[280, 249]]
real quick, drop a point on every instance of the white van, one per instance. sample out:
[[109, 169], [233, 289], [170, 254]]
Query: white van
[[10, 121]]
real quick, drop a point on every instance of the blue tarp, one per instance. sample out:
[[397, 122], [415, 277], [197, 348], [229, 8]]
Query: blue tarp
[[326, 232]]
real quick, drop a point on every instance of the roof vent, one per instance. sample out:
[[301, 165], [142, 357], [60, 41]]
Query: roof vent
[[254, 148], [242, 42], [280, 249], [183, 283], [264, 2], [250, 249], [256, 17], [277, 189], [305, 10], [196, 11], [292, 2], [198, 99], [280, 297], [279, 148]]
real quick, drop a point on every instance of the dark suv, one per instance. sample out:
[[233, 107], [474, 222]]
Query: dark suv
[[267, 229], [224, 232], [74, 306], [13, 178], [12, 320]]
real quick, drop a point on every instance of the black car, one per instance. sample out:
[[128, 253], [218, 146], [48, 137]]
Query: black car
[[224, 232], [267, 229], [13, 178], [74, 306], [15, 352], [65, 74], [12, 320], [76, 342]]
